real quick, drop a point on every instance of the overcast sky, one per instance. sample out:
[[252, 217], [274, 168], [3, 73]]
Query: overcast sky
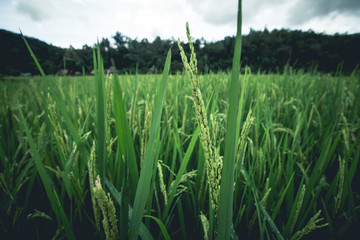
[[79, 22]]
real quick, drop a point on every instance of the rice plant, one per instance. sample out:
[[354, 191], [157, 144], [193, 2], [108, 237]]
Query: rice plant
[[186, 156]]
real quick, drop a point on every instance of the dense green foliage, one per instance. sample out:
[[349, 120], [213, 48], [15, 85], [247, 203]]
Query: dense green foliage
[[262, 50], [179, 156], [301, 155]]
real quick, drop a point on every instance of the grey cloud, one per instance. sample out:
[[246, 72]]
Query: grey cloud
[[214, 11], [219, 12], [35, 9], [252, 8], [306, 10]]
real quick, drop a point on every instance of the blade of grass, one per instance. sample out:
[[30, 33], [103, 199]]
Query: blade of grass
[[100, 110], [182, 169], [258, 215], [144, 231], [33, 56], [296, 207], [50, 192], [227, 177], [161, 225], [278, 205], [328, 218], [52, 88], [124, 136], [146, 170], [273, 226]]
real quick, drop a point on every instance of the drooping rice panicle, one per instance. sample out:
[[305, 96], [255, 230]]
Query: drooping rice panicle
[[108, 210], [310, 226], [213, 167]]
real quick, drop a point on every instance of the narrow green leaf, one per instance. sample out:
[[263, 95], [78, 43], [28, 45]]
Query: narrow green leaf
[[283, 193], [33, 56], [52, 88], [227, 178], [182, 170], [161, 225], [273, 226], [146, 171], [100, 113], [124, 135], [50, 192], [144, 231], [328, 218]]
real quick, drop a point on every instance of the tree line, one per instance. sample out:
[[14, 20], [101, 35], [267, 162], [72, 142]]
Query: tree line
[[265, 51]]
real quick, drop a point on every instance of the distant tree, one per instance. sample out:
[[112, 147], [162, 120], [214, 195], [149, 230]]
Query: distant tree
[[120, 39], [268, 51]]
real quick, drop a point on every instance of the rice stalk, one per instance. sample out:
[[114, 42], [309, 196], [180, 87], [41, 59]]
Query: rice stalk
[[242, 140], [184, 118], [213, 167], [56, 206], [263, 202], [41, 136], [162, 184], [340, 184], [92, 179], [146, 172], [161, 225], [298, 208], [181, 171], [133, 109], [125, 140], [225, 217], [180, 187], [108, 94], [100, 112], [302, 169], [108, 210], [58, 132], [205, 225], [310, 226], [77, 187], [146, 128], [109, 147]]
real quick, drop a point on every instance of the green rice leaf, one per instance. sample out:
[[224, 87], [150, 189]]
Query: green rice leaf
[[273, 226], [161, 225], [50, 192], [148, 164], [283, 193], [61, 106], [144, 231], [124, 135], [100, 110], [182, 170], [227, 177]]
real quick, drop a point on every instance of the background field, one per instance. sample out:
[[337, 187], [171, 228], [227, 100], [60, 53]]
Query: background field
[[300, 157]]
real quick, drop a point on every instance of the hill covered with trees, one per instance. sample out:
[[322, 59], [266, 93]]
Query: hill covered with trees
[[267, 51]]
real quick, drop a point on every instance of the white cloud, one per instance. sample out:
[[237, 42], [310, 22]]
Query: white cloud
[[79, 22], [333, 23], [306, 10], [37, 10], [214, 11]]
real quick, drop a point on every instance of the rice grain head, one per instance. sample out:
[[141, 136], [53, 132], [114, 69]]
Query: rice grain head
[[213, 168], [108, 210], [310, 226]]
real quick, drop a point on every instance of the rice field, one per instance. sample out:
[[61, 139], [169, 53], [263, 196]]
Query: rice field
[[186, 156], [295, 171]]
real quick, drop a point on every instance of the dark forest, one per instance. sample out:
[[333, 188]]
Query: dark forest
[[264, 51]]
